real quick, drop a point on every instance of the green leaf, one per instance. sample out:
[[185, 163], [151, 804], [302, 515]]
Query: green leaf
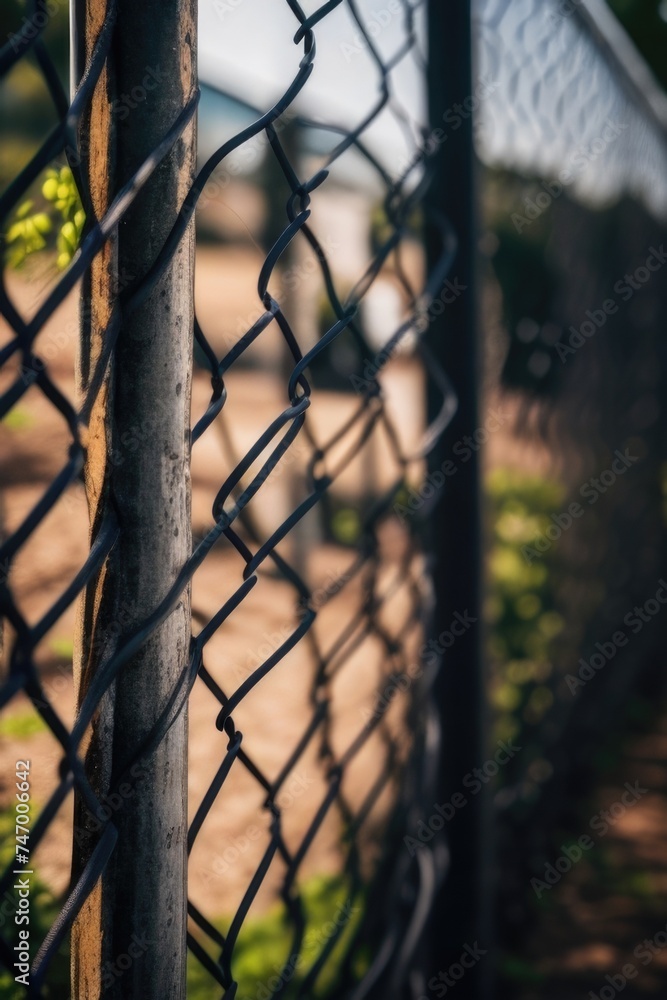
[[42, 222], [23, 209], [50, 188]]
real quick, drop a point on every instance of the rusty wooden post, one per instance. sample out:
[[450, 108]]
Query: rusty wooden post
[[138, 466]]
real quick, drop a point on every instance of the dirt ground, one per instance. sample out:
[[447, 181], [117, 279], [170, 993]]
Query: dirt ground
[[594, 919], [33, 447], [605, 922]]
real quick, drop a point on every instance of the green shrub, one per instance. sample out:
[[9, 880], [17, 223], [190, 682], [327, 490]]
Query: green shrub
[[520, 607], [264, 943]]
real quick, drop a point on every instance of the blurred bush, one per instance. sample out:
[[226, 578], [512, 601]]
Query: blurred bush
[[265, 942], [521, 605], [52, 220]]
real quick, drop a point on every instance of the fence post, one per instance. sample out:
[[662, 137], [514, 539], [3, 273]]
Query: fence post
[[459, 917], [137, 470]]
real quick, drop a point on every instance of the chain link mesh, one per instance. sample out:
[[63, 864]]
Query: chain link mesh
[[337, 576]]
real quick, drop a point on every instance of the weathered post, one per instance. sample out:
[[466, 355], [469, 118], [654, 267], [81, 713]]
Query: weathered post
[[138, 467]]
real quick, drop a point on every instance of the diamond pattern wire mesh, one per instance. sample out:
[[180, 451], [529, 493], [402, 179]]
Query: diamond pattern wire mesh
[[380, 586], [568, 112], [560, 84]]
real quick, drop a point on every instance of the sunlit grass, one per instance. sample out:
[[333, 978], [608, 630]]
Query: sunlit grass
[[264, 944], [18, 419], [22, 725]]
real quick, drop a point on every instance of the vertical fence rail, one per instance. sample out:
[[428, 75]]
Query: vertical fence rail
[[459, 914], [141, 896]]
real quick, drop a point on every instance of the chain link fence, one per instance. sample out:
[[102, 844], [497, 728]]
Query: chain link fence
[[313, 742], [576, 204]]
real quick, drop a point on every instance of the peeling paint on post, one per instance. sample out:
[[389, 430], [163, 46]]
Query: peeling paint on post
[[137, 465]]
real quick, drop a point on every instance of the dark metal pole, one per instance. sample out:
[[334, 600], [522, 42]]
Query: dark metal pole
[[137, 470], [458, 919]]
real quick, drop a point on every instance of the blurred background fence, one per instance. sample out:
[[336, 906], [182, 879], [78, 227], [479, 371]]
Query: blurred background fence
[[575, 208], [348, 248]]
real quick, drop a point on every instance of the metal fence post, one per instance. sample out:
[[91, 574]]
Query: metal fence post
[[137, 467], [458, 918]]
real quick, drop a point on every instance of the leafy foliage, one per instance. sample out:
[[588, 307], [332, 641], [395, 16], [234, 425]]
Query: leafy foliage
[[520, 608], [262, 948], [264, 944], [56, 223], [43, 911], [22, 725]]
